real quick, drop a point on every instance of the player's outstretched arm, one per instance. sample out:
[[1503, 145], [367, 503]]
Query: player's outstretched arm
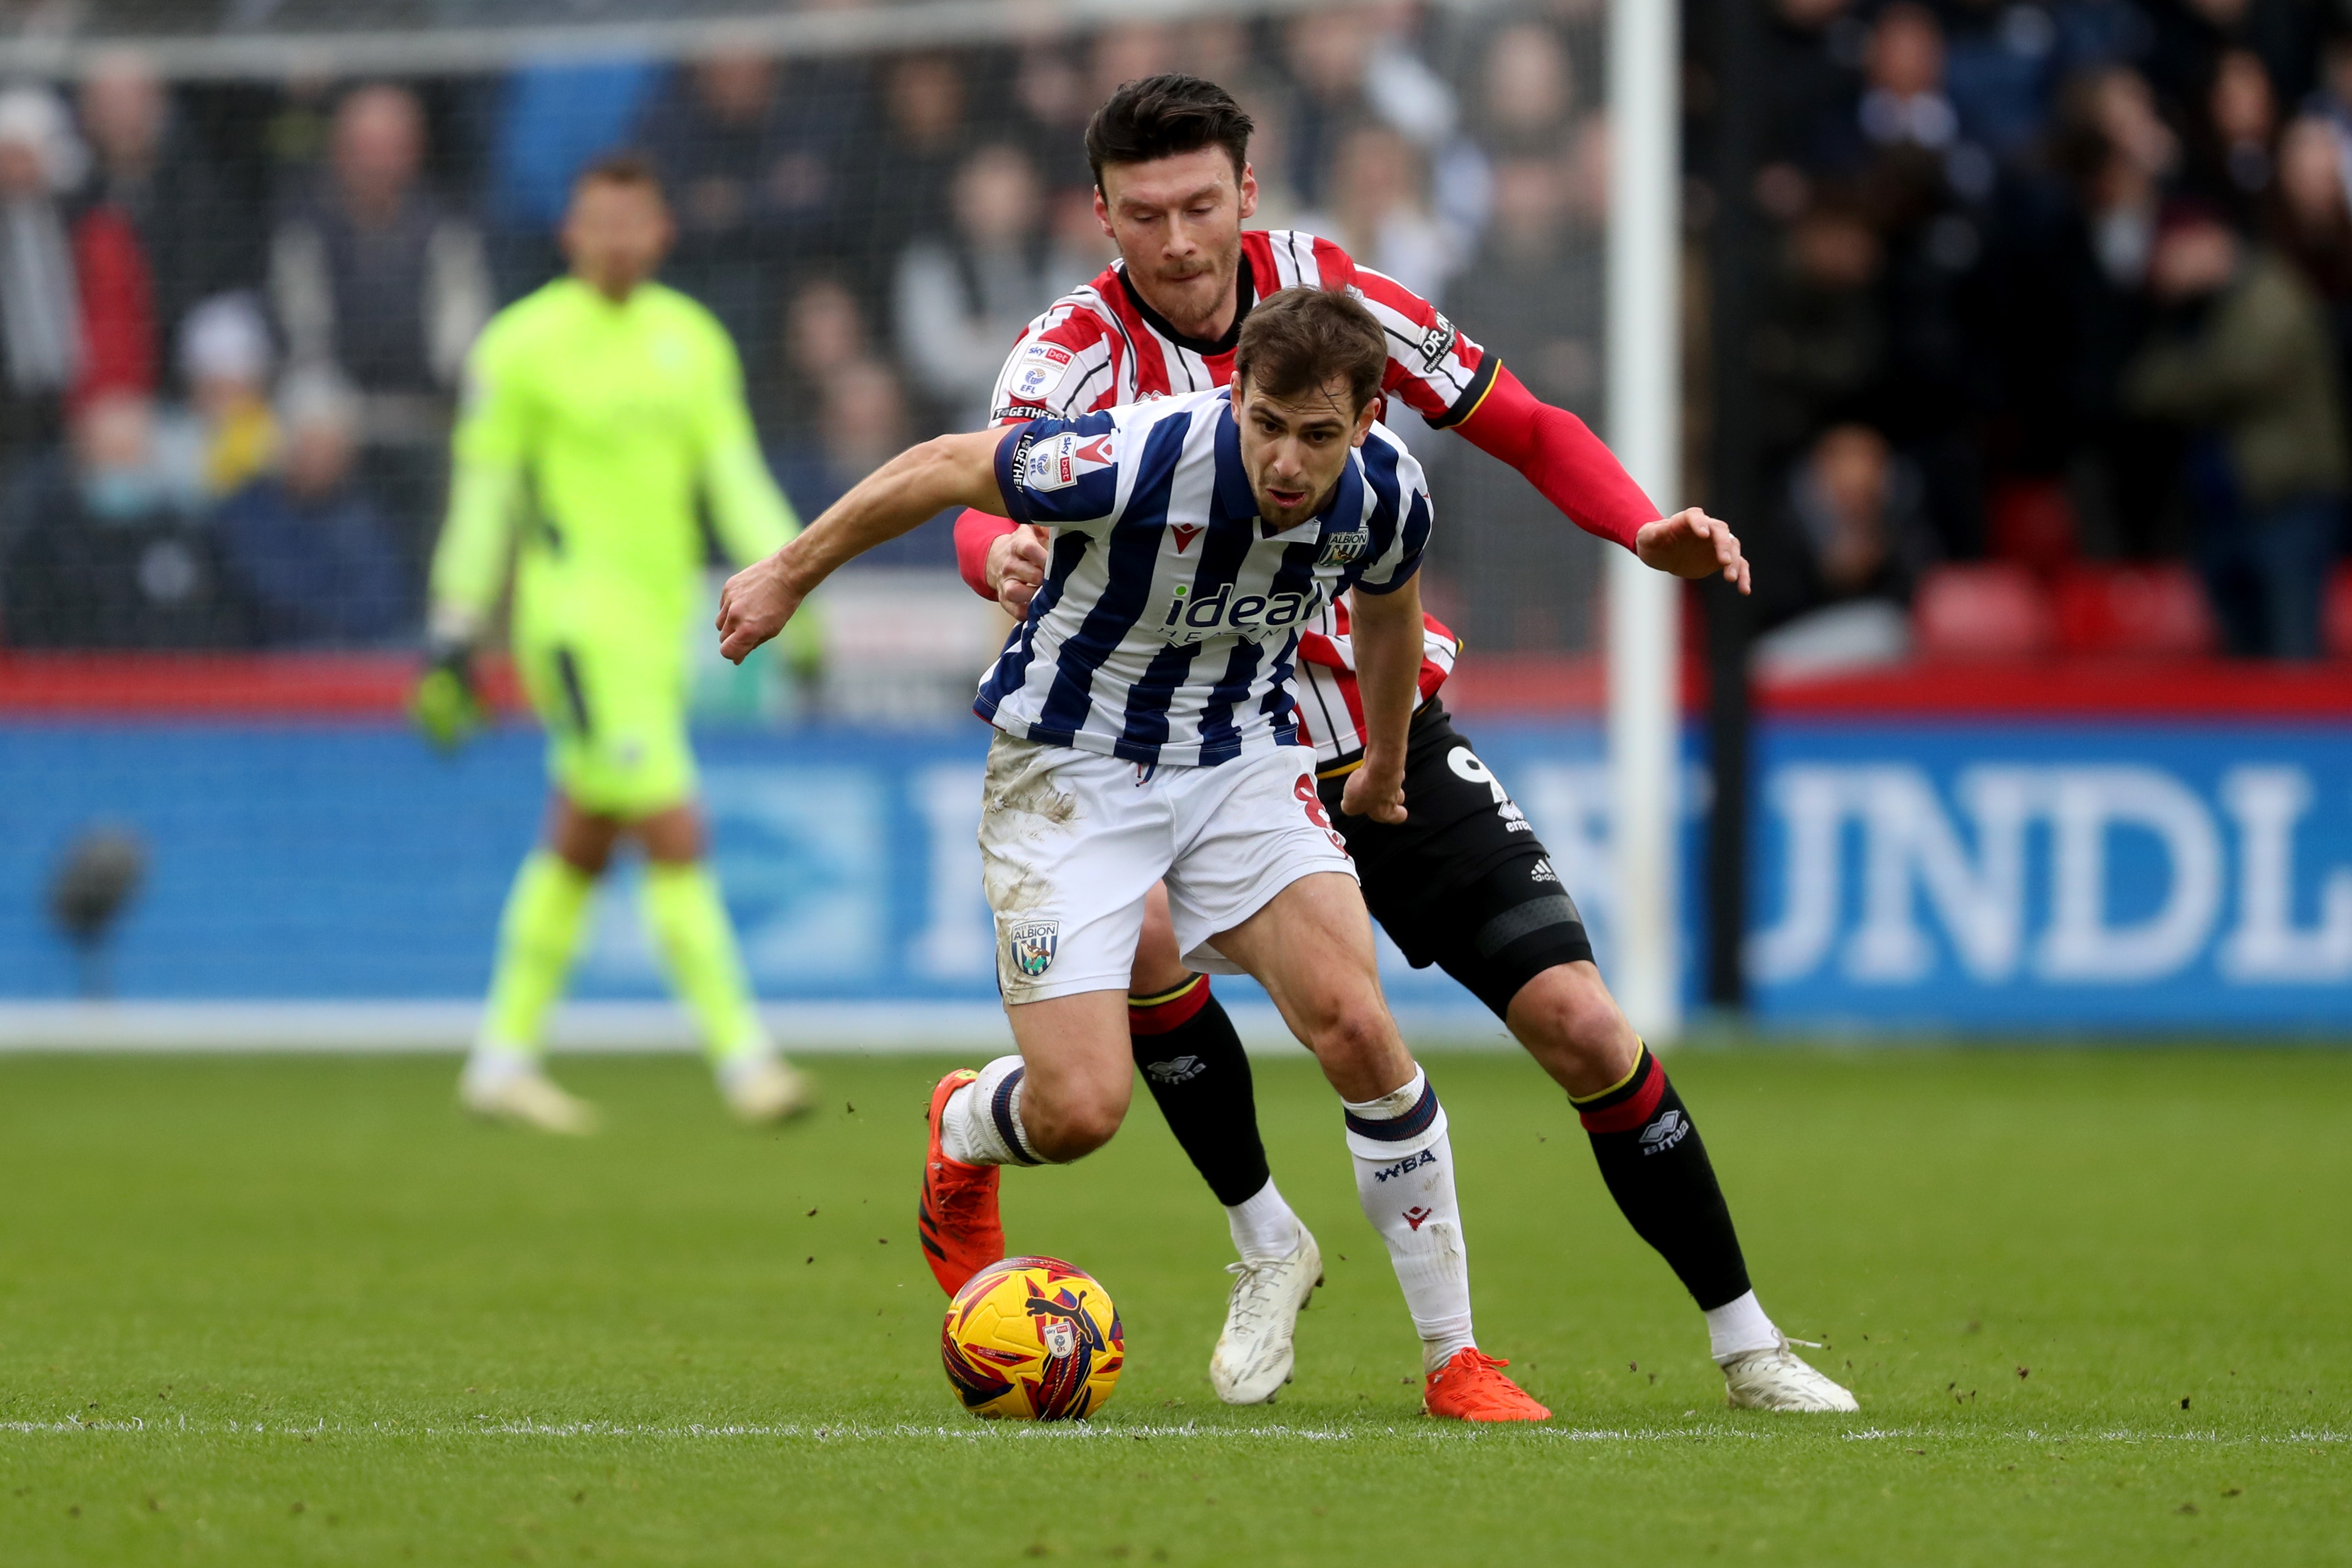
[[1692, 544], [1387, 632], [917, 484]]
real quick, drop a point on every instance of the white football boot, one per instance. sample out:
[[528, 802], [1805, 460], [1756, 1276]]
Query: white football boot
[[527, 1098], [1254, 1355], [1778, 1379], [766, 1090]]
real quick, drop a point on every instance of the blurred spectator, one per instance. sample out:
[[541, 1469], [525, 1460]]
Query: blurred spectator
[[1849, 531], [1811, 60], [1821, 343], [1329, 52], [1903, 103], [863, 425], [1527, 96], [2093, 310], [40, 302], [2311, 224], [1124, 54], [371, 273], [2244, 363], [912, 162], [1052, 103], [825, 333], [224, 358], [964, 296], [307, 547], [756, 176], [1380, 212], [146, 169], [1534, 290], [2000, 61], [102, 554], [2311, 220], [2233, 163]]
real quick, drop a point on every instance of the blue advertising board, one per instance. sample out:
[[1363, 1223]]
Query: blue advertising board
[[2054, 875], [2013, 877]]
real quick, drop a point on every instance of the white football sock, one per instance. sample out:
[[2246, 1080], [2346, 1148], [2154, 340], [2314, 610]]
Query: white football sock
[[1737, 1327], [981, 1124], [1405, 1183], [1262, 1225]]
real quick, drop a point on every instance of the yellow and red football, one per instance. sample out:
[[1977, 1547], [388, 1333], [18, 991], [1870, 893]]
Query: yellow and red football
[[1033, 1339]]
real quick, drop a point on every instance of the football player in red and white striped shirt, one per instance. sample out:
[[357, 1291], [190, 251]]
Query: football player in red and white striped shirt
[[1464, 882]]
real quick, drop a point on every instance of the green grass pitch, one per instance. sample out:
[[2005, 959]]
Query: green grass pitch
[[258, 1310]]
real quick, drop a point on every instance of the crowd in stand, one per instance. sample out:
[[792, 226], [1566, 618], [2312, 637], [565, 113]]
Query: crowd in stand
[[2061, 287], [2046, 282]]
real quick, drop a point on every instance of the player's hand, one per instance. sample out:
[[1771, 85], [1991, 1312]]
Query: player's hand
[[1692, 544], [1016, 567], [446, 703], [754, 606], [1377, 792]]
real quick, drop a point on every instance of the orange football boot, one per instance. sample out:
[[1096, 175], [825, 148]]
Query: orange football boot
[[1472, 1388], [957, 1223]]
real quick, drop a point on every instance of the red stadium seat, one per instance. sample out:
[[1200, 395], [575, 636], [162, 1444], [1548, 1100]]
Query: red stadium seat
[[2134, 610], [1991, 610], [2336, 633], [2031, 523]]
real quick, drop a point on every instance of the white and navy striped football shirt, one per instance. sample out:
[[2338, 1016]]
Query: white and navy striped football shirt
[[1170, 616]]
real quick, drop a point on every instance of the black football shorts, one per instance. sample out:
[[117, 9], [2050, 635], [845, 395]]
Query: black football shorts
[[1463, 881]]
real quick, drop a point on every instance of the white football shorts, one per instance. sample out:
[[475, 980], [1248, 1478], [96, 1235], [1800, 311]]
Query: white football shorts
[[1070, 843]]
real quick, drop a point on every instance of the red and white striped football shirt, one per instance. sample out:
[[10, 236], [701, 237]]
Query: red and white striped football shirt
[[1101, 345], [1331, 712]]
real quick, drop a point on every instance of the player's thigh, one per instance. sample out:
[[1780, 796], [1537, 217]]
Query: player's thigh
[[615, 721], [1159, 965], [1070, 848], [1311, 948], [1079, 1072], [1244, 830]]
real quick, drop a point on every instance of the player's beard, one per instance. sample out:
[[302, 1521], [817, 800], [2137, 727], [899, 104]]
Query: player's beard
[[1189, 302]]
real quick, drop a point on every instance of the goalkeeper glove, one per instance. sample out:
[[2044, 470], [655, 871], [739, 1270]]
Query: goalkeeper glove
[[446, 705]]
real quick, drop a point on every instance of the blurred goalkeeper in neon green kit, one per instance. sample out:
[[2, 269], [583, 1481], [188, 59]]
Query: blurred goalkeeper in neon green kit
[[597, 410]]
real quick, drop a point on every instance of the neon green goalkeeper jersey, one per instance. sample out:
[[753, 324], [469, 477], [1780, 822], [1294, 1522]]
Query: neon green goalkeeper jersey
[[597, 425]]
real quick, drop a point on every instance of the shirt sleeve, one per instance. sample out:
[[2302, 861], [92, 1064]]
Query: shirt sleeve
[[488, 451], [1408, 536], [1063, 473], [1434, 367], [748, 513], [1058, 369]]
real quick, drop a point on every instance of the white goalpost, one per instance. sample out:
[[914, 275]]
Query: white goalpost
[[1645, 427]]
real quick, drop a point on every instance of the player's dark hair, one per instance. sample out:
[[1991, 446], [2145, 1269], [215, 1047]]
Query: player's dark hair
[[1165, 115], [1295, 340], [621, 168]]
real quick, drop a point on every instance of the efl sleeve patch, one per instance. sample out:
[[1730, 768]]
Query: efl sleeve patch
[[1037, 373], [1060, 472]]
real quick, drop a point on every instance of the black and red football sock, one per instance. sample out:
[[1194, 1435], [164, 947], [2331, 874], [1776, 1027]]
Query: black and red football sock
[[1193, 1063], [1657, 1170]]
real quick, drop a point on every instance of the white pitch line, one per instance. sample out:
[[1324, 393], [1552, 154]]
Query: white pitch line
[[1081, 1432]]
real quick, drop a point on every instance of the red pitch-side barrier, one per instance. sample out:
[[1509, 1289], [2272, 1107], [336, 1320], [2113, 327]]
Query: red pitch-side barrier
[[367, 686]]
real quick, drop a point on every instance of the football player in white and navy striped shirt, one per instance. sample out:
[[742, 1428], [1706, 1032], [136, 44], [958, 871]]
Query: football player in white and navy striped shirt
[[1170, 613], [1147, 736], [1465, 884]]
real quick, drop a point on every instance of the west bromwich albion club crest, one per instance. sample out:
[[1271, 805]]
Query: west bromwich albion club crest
[[1340, 548], [1033, 945]]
